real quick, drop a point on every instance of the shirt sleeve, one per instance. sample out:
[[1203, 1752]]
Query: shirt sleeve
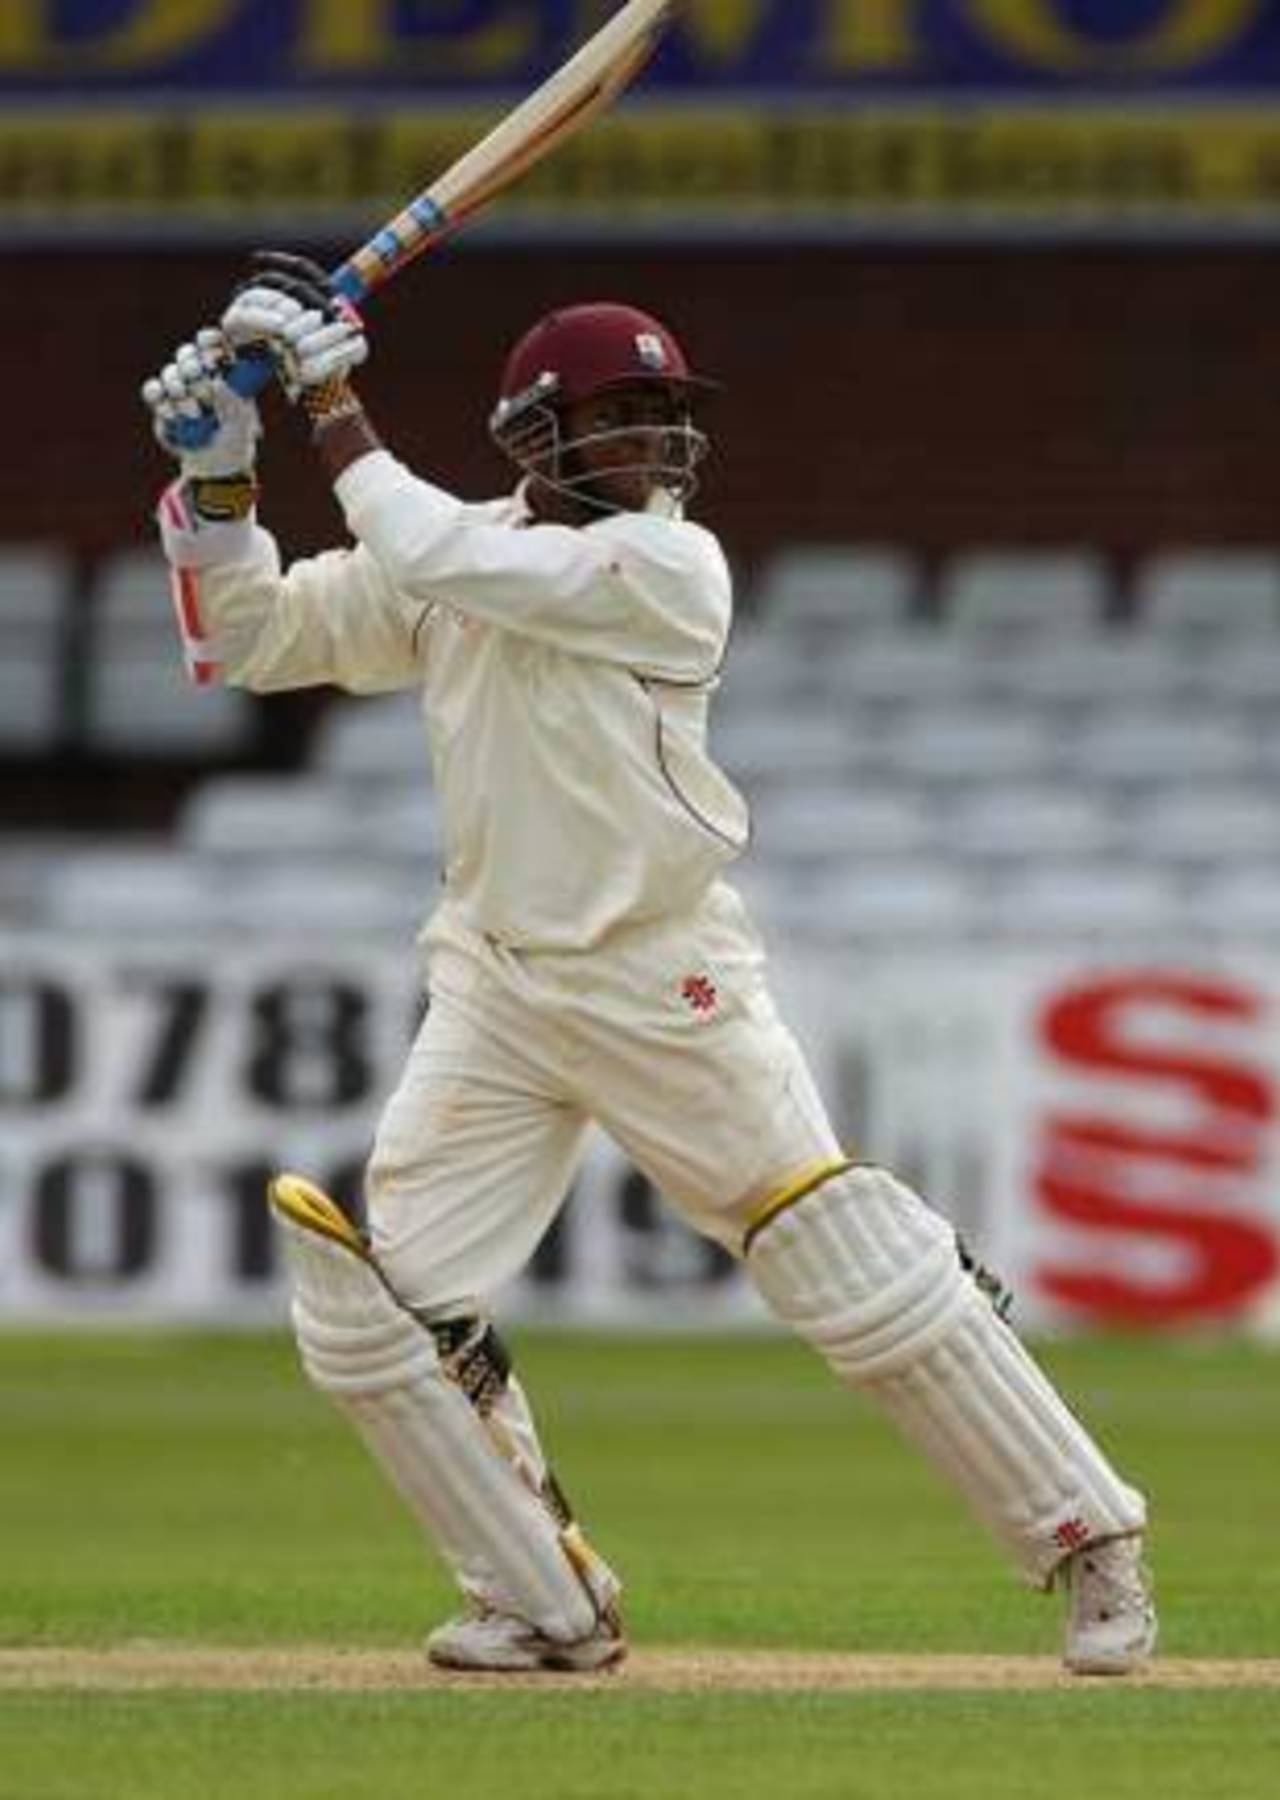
[[332, 619], [648, 592]]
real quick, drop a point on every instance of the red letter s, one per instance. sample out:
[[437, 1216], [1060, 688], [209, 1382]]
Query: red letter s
[[1111, 1175]]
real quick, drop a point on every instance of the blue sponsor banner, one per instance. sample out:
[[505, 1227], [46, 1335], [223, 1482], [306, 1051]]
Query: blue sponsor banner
[[925, 48], [188, 119]]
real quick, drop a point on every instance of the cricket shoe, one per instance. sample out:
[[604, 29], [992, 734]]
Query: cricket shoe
[[1111, 1617], [500, 1644]]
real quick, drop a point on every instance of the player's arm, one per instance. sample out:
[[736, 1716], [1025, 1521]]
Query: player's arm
[[649, 593], [327, 619]]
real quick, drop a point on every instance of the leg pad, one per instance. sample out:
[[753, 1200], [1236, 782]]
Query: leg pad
[[870, 1276], [381, 1366]]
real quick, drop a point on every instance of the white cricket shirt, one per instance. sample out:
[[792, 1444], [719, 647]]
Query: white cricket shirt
[[565, 676]]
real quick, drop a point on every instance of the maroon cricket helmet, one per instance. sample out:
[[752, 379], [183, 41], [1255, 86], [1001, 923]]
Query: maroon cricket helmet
[[578, 351]]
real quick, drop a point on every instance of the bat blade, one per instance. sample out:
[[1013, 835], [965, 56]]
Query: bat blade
[[582, 87], [589, 82]]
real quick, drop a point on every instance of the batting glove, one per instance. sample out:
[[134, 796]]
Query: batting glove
[[288, 304], [196, 417]]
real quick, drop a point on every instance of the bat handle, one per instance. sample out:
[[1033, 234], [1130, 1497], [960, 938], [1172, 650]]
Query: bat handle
[[349, 283], [252, 371]]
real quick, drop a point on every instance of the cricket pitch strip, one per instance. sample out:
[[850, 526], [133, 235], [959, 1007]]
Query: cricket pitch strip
[[140, 1666]]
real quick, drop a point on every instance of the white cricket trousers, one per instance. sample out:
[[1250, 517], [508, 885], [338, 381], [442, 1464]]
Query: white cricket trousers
[[666, 1036]]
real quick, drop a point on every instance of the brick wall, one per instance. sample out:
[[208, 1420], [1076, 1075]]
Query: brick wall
[[932, 397]]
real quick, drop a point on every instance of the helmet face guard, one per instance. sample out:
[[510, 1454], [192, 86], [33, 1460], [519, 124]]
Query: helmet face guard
[[668, 453], [579, 354]]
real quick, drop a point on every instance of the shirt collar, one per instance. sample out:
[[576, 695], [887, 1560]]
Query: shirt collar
[[518, 508], [662, 505]]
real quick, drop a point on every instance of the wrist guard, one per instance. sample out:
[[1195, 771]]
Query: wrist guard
[[330, 401], [219, 499]]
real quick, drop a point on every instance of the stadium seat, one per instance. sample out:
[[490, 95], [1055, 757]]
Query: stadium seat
[[1091, 901], [311, 815], [764, 668], [400, 820], [162, 891], [334, 898], [1002, 592], [840, 825], [1111, 667], [140, 700], [828, 590], [943, 746], [257, 815], [372, 737], [906, 900], [1161, 745], [1230, 671], [136, 889], [28, 866], [1208, 825], [783, 746], [1208, 591], [35, 586], [918, 666], [1026, 821], [1238, 902]]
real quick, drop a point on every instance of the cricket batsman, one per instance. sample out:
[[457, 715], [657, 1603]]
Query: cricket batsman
[[587, 961]]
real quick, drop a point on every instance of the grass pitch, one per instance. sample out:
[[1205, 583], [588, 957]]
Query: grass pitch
[[187, 1495]]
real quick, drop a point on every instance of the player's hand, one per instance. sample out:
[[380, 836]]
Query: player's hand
[[196, 417], [289, 307]]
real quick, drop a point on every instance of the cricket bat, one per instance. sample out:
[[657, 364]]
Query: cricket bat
[[586, 84]]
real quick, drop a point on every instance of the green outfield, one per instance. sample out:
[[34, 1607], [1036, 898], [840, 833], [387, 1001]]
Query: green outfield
[[172, 1498]]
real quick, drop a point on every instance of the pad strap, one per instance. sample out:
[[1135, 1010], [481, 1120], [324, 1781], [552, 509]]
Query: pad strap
[[473, 1355], [806, 1182]]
